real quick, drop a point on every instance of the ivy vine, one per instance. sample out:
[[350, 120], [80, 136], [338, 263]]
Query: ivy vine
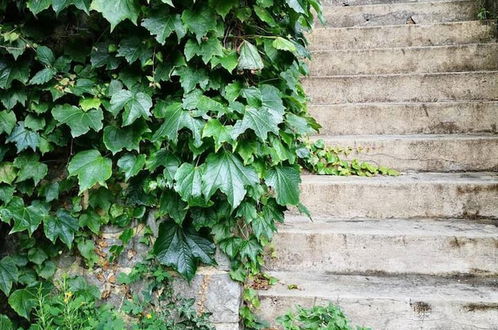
[[190, 113]]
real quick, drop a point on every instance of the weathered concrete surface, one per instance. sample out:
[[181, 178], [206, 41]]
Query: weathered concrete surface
[[400, 13], [423, 195], [442, 247], [407, 118], [403, 87], [390, 303], [212, 288], [455, 58], [407, 35], [423, 153]]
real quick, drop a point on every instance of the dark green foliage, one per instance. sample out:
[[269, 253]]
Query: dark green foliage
[[188, 113]]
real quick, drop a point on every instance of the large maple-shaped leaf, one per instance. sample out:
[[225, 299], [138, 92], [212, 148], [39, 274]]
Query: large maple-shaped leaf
[[24, 138], [176, 118], [285, 180], [25, 218], [135, 105], [162, 24], [8, 274], [261, 121], [117, 139], [182, 249], [78, 120], [249, 57], [59, 5], [219, 132], [226, 172], [116, 11], [90, 168], [30, 168], [62, 226]]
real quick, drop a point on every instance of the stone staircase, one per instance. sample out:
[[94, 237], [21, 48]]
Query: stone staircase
[[415, 84]]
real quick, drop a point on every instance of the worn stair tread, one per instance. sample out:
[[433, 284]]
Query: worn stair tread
[[402, 287], [400, 13], [392, 227], [403, 87], [407, 117], [342, 3], [387, 137], [364, 37], [419, 59]]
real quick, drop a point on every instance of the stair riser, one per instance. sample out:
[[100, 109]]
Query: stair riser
[[388, 314], [399, 14], [352, 253], [425, 155], [403, 88], [401, 200], [406, 60], [402, 36], [428, 118]]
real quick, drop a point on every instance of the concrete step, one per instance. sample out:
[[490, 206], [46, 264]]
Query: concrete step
[[423, 153], [454, 58], [432, 247], [372, 2], [414, 195], [401, 13], [415, 35], [407, 118], [419, 87], [389, 303]]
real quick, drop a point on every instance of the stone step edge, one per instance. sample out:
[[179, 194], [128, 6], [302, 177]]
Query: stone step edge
[[319, 27], [423, 137], [393, 291], [325, 5], [445, 102], [414, 74], [394, 228], [406, 48], [326, 8]]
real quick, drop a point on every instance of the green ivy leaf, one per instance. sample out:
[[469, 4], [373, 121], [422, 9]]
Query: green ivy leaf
[[59, 5], [77, 119], [261, 121], [182, 249], [249, 57], [24, 138], [23, 301], [30, 168], [26, 218], [206, 49], [6, 323], [162, 24], [62, 226], [37, 6], [8, 173], [131, 165], [13, 71], [90, 168], [219, 132], [285, 180], [226, 172], [284, 44], [42, 76], [135, 105], [171, 205], [117, 11], [200, 22], [9, 274], [133, 48], [129, 138], [229, 60], [188, 183], [294, 4]]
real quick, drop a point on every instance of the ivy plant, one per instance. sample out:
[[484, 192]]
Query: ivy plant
[[187, 114]]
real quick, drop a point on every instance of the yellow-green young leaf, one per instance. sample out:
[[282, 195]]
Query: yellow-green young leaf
[[6, 323], [8, 173], [249, 58], [284, 44], [8, 274], [90, 103], [90, 168], [116, 11], [285, 180]]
